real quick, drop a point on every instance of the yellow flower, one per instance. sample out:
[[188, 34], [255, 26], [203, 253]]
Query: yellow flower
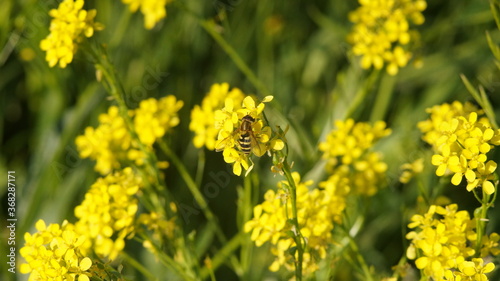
[[153, 10], [155, 117], [111, 144], [242, 132], [203, 117], [441, 244], [317, 210], [382, 34], [69, 26], [347, 151], [107, 214], [55, 252], [461, 138], [411, 169]]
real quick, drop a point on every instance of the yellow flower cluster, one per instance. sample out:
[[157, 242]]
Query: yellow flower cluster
[[111, 144], [55, 252], [381, 32], [203, 117], [153, 10], [347, 151], [461, 137], [229, 123], [317, 210], [107, 214], [442, 244], [70, 24]]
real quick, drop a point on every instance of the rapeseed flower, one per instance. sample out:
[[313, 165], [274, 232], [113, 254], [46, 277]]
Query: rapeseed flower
[[111, 143], [259, 135], [317, 211], [348, 155], [153, 10], [107, 214], [69, 26], [382, 35], [461, 137], [203, 117], [411, 169], [55, 252], [442, 245]]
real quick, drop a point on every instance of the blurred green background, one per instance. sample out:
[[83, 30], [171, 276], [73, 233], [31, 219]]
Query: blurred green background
[[297, 49]]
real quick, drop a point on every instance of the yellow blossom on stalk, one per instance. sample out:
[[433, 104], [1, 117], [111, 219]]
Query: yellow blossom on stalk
[[461, 137], [317, 210], [107, 214], [69, 26], [347, 150], [228, 122], [442, 245], [382, 35], [111, 143], [153, 10], [203, 117], [55, 252], [155, 117], [411, 169]]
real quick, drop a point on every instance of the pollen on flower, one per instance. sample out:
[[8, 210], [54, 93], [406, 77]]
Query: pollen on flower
[[69, 26], [317, 209], [107, 214], [243, 132], [348, 155], [153, 10], [461, 137], [441, 244], [381, 34]]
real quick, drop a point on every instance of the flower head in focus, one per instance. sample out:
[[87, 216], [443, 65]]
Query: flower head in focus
[[243, 132], [203, 117], [153, 10], [461, 137], [381, 34], [69, 26], [347, 150]]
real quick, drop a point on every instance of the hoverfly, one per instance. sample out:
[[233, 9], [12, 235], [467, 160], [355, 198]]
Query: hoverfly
[[246, 140]]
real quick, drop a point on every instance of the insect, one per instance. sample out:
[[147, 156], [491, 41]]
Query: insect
[[246, 134], [247, 141]]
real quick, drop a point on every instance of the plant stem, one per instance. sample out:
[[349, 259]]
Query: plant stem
[[359, 257], [293, 196], [193, 188], [133, 262], [384, 95], [209, 27]]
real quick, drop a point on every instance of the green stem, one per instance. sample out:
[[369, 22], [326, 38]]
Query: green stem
[[193, 188], [137, 265], [384, 95], [200, 200], [481, 218], [209, 27], [293, 198], [363, 92], [361, 261], [223, 254]]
